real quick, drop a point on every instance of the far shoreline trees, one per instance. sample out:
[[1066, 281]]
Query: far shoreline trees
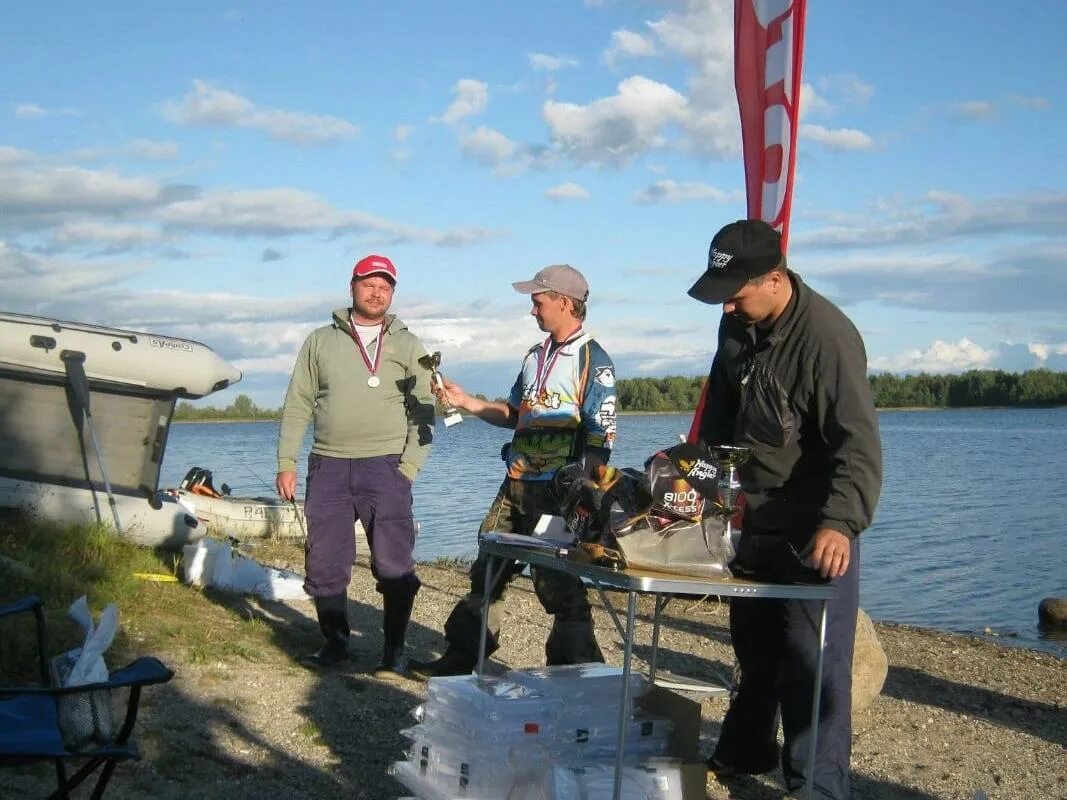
[[976, 388]]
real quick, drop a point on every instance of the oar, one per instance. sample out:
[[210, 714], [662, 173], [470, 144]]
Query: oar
[[74, 362]]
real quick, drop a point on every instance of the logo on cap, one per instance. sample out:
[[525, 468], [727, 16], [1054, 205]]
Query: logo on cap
[[719, 259]]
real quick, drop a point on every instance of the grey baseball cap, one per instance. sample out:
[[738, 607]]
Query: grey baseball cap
[[562, 278]]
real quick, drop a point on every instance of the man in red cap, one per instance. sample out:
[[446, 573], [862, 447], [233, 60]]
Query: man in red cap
[[360, 383]]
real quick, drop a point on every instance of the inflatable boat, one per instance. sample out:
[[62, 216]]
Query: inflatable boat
[[166, 523], [84, 415], [179, 367], [226, 515]]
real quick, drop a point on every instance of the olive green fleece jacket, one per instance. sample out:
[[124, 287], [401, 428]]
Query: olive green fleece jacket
[[352, 419]]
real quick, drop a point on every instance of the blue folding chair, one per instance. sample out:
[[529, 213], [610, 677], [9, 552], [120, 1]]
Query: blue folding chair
[[29, 716]]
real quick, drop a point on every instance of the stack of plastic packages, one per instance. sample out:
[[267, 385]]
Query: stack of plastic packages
[[546, 733]]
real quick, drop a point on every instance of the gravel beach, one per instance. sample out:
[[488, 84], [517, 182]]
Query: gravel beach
[[958, 715]]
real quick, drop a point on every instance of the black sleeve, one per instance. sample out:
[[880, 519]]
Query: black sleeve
[[849, 425], [720, 401]]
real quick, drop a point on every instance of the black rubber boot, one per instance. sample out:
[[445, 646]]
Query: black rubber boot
[[452, 662], [398, 598], [572, 642], [333, 622]]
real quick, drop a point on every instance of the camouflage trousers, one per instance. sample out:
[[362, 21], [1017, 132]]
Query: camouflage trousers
[[517, 508]]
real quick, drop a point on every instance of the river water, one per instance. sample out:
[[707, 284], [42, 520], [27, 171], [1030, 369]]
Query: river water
[[970, 533]]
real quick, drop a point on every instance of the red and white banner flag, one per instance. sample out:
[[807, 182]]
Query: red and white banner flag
[[768, 54]]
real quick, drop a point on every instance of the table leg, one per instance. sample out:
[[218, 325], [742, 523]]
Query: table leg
[[816, 698], [661, 603], [487, 598], [610, 609], [624, 719]]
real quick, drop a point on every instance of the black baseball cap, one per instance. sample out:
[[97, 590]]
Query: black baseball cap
[[741, 251]]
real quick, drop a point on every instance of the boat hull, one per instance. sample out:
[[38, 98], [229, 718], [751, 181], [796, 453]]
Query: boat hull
[[247, 517], [170, 526]]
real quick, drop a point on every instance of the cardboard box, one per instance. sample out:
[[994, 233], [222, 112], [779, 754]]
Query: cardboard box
[[685, 740]]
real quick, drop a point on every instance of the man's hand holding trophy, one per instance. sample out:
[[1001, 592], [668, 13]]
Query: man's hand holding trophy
[[432, 362]]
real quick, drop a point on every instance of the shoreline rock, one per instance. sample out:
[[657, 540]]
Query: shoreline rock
[[1052, 612]]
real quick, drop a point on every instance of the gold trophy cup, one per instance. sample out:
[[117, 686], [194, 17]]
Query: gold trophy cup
[[729, 458], [433, 363]]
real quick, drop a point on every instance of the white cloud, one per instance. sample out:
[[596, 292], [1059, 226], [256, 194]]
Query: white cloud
[[670, 191], [284, 211], [31, 281], [940, 357], [612, 130], [1044, 351], [221, 108], [402, 132], [472, 97], [548, 63], [13, 155], [628, 44], [1031, 102], [813, 102], [842, 139], [701, 32], [567, 191], [102, 233], [943, 216], [55, 190], [975, 109], [645, 115], [998, 283], [506, 156], [844, 89], [65, 207], [34, 111], [489, 146], [156, 151]]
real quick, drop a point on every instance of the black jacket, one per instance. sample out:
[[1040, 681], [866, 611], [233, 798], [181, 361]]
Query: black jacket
[[798, 395]]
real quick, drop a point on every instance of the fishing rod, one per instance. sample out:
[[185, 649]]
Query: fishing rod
[[297, 511]]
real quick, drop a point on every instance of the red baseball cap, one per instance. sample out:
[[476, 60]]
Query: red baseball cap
[[374, 265]]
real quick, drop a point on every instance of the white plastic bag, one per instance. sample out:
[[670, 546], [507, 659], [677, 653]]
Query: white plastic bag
[[87, 717], [90, 666], [215, 564]]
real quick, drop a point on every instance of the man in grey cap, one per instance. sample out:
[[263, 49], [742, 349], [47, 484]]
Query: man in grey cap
[[562, 408], [789, 381]]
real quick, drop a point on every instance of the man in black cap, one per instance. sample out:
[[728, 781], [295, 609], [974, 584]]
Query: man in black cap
[[789, 381]]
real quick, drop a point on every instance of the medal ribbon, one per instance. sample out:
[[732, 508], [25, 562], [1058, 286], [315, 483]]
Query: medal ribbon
[[545, 363], [372, 368]]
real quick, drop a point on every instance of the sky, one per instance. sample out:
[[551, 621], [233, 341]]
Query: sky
[[213, 170]]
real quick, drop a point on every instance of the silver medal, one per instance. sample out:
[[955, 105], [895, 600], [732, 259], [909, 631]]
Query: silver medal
[[374, 381]]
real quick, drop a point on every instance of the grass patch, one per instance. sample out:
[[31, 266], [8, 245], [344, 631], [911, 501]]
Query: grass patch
[[310, 731], [449, 562], [277, 552], [59, 563]]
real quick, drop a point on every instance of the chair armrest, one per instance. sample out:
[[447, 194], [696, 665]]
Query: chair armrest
[[145, 671], [30, 603], [34, 604]]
